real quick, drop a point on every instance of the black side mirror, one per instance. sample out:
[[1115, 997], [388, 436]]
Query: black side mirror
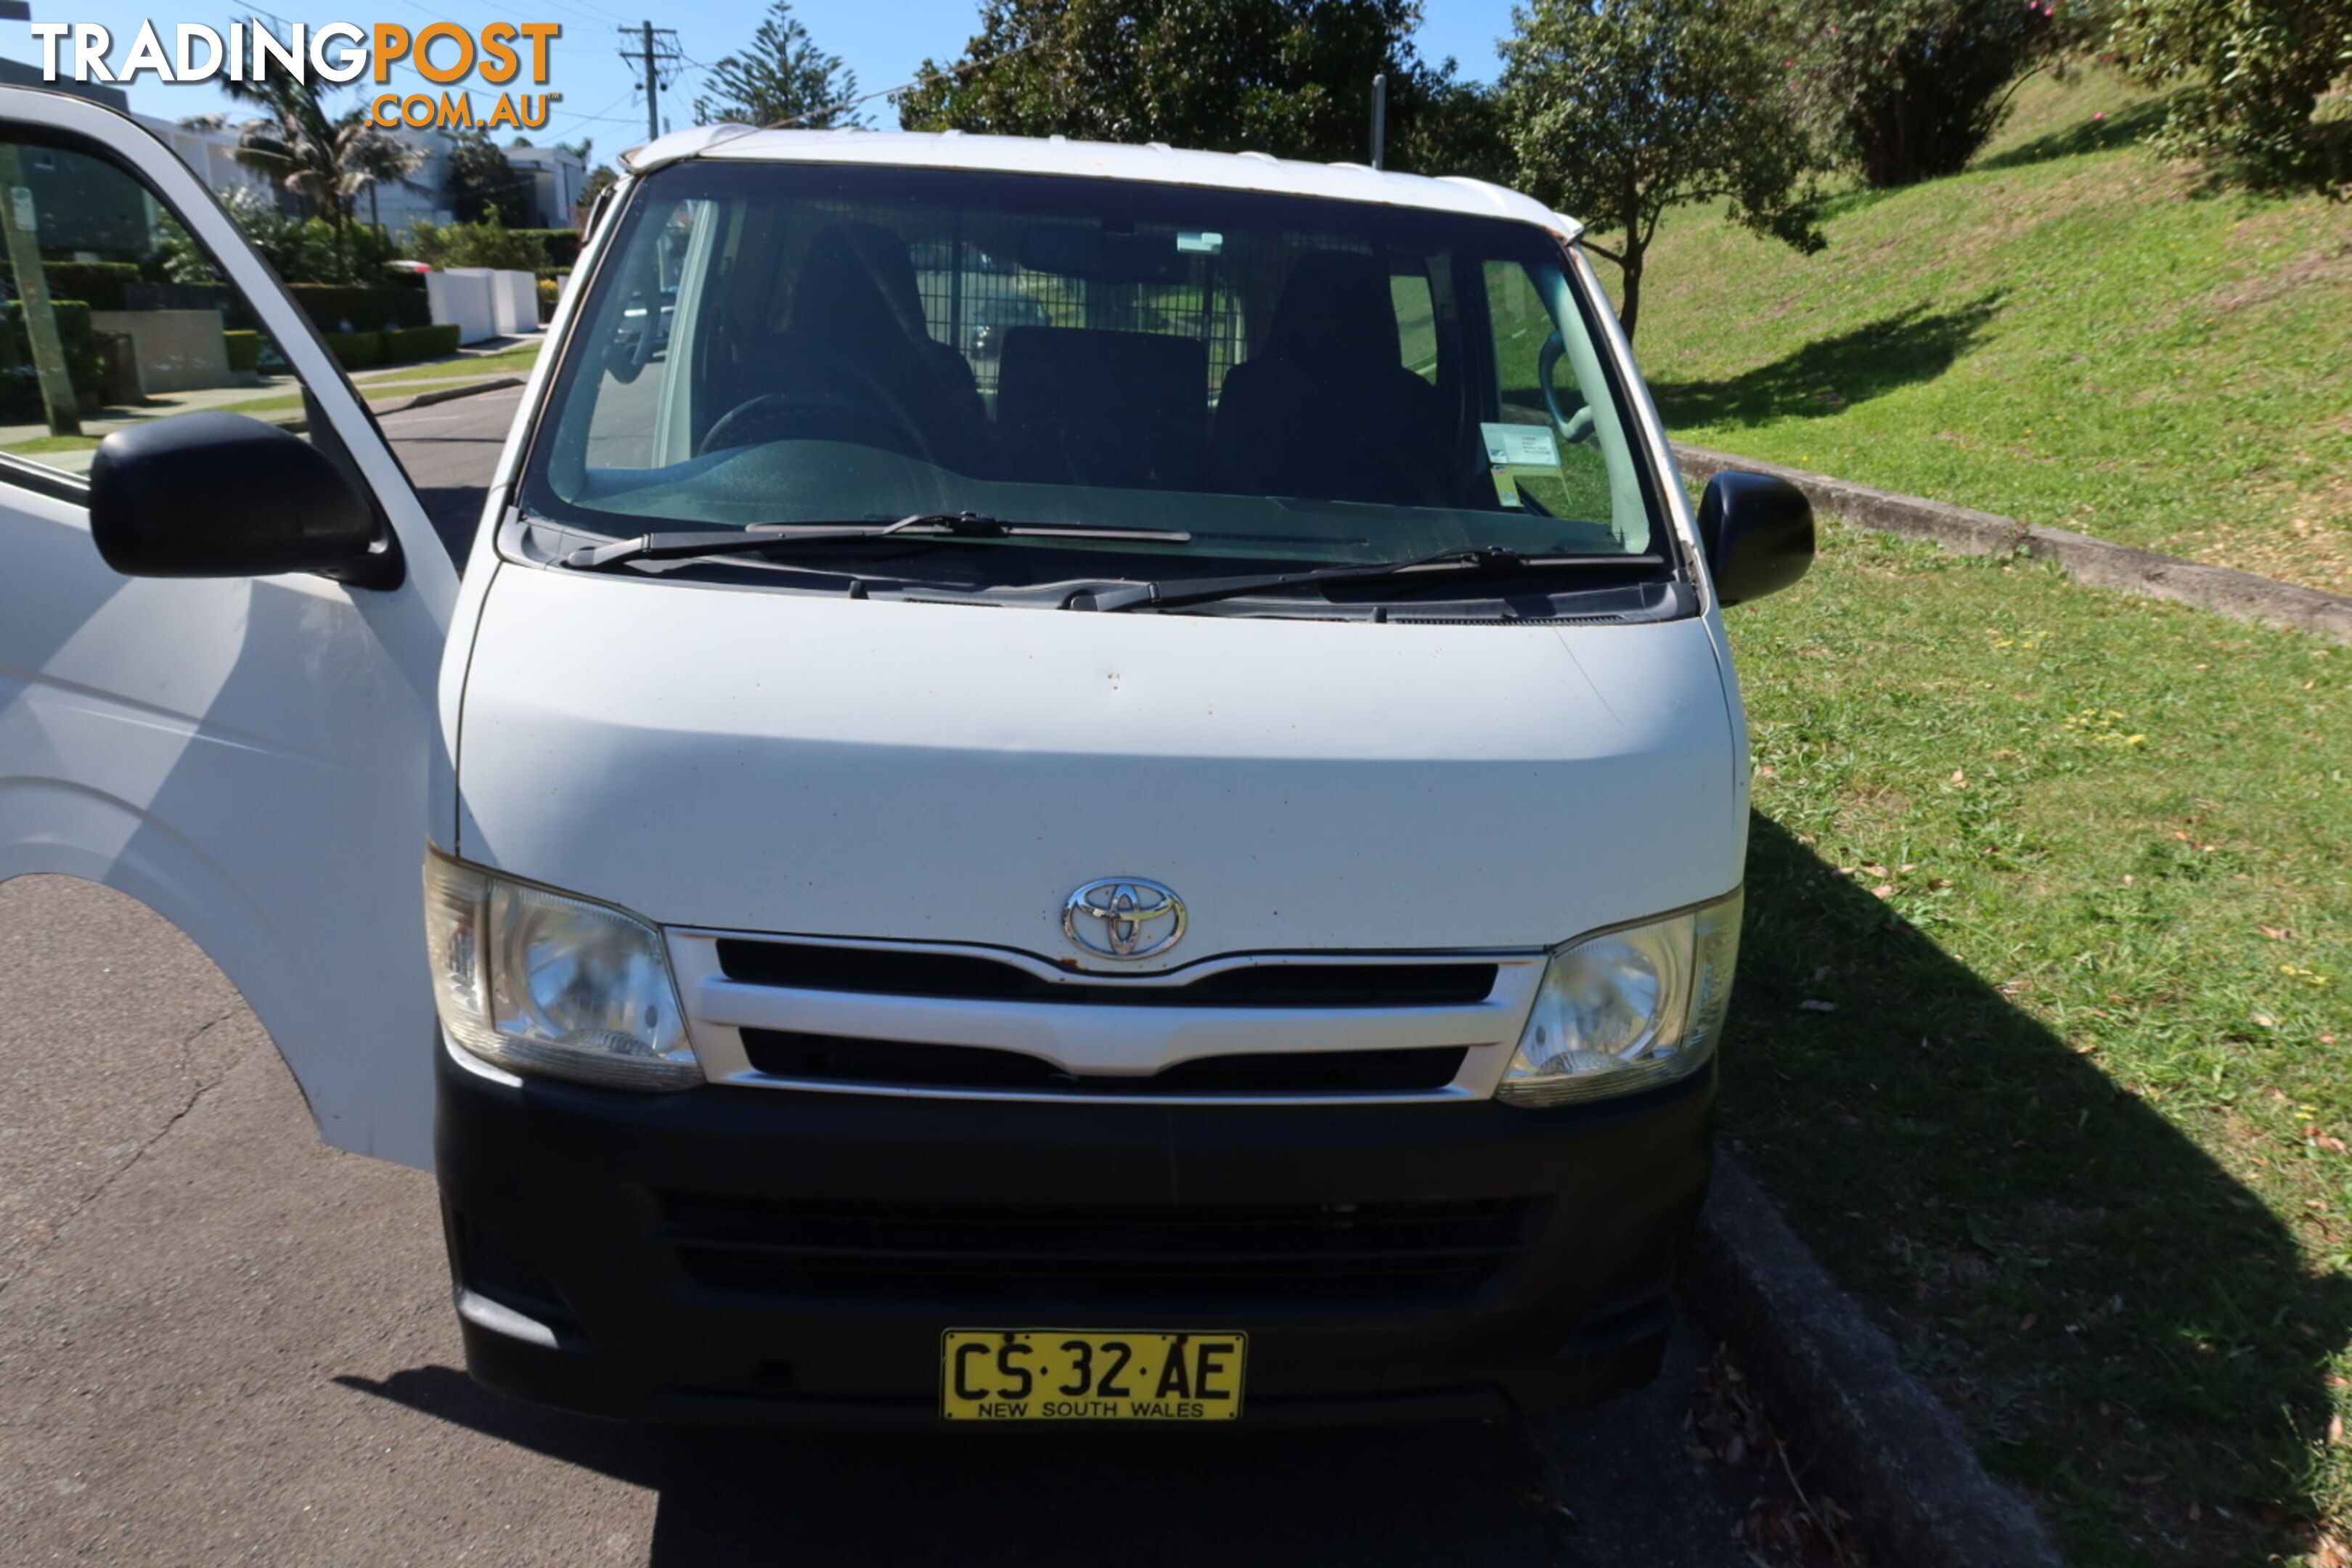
[[220, 495], [1758, 533]]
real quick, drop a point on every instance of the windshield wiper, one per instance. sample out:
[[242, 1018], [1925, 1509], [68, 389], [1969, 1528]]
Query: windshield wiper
[[948, 526], [1449, 564]]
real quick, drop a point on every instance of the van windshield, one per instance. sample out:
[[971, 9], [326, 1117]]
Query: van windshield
[[1281, 379]]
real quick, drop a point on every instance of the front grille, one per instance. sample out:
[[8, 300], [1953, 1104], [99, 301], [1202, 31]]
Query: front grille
[[1158, 1254], [886, 972], [909, 1064]]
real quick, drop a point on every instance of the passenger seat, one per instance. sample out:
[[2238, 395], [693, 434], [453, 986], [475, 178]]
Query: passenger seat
[[1325, 409]]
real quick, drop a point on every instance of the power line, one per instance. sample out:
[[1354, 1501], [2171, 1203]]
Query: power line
[[604, 116]]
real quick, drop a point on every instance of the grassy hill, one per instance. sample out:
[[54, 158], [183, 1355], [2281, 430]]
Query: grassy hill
[[2070, 332]]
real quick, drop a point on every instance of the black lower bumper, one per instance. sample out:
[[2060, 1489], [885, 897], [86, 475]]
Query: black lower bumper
[[766, 1256]]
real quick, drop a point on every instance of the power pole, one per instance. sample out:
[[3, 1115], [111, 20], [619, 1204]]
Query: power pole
[[21, 226], [656, 51]]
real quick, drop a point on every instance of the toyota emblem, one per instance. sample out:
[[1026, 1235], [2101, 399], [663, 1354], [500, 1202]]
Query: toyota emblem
[[1123, 917]]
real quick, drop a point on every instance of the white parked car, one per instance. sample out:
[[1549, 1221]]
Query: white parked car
[[1204, 887]]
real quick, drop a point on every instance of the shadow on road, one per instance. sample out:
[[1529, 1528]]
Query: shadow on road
[[2124, 1326], [1463, 1494], [1830, 374]]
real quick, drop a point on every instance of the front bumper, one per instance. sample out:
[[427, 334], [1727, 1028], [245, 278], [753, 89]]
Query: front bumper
[[750, 1255]]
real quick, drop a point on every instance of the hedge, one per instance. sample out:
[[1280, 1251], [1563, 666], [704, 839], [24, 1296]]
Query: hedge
[[561, 244], [188, 297], [20, 382], [412, 343], [360, 308], [355, 350], [243, 350], [98, 284]]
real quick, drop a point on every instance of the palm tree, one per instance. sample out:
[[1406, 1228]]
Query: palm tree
[[324, 160]]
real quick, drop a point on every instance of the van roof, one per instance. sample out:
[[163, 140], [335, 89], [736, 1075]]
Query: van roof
[[1156, 162]]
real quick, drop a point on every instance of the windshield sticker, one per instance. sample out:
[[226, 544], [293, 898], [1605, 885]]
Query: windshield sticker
[[1207, 243], [1521, 445]]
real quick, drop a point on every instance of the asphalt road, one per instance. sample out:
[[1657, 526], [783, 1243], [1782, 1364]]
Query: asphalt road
[[221, 1341]]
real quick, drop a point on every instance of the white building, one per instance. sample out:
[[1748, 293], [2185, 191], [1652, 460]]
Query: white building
[[552, 180], [212, 154]]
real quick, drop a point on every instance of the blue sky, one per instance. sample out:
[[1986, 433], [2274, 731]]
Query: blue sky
[[884, 41]]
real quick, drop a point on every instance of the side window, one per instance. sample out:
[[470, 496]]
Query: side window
[[1416, 314], [640, 388], [113, 315], [1561, 470]]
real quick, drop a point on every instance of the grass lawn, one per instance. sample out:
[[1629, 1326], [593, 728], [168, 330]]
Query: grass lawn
[[2043, 1026], [506, 361], [373, 391], [40, 444], [2067, 332]]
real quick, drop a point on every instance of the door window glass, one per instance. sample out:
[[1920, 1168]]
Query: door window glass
[[112, 315], [1416, 315], [1551, 445]]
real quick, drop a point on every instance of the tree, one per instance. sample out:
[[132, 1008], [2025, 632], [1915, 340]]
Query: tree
[[1905, 90], [1619, 109], [482, 184], [1288, 76], [2251, 75], [784, 76], [599, 180], [326, 162]]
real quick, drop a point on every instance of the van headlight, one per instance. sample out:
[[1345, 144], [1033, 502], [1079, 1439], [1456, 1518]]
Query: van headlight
[[1627, 1009], [539, 982]]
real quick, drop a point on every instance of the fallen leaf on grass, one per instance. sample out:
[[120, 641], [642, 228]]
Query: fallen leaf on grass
[[1811, 1006]]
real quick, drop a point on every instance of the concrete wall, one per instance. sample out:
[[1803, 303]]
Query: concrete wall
[[175, 351], [463, 298]]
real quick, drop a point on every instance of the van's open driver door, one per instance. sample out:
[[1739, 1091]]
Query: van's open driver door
[[247, 756]]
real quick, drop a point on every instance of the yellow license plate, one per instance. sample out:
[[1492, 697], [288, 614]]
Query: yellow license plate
[[1083, 1374]]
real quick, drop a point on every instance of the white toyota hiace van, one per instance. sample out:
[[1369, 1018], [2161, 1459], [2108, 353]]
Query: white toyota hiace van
[[1063, 782]]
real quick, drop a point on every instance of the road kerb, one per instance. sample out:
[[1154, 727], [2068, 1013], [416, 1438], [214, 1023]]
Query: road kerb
[[2097, 562], [1865, 1430], [448, 393]]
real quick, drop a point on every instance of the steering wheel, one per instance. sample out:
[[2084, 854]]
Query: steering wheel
[[777, 416], [1576, 427]]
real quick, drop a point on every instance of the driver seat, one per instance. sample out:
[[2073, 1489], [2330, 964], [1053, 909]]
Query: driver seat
[[1327, 410], [857, 363]]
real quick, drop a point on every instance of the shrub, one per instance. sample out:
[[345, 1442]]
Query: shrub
[[1905, 90], [361, 307], [187, 297], [302, 251], [2251, 75], [409, 344], [561, 246], [20, 385], [550, 291], [98, 284], [243, 350], [486, 244], [355, 350]]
